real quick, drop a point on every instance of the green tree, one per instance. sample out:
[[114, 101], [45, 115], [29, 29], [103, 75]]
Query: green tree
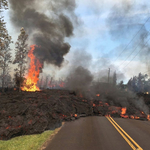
[[21, 52]]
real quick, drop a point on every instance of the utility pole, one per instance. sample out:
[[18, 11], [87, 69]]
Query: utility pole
[[108, 74]]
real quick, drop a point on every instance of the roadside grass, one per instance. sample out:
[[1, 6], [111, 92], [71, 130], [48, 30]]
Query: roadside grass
[[27, 142]]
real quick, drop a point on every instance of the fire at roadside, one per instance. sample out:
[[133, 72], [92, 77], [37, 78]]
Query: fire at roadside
[[28, 113]]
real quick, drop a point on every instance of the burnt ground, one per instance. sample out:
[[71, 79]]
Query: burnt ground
[[28, 113]]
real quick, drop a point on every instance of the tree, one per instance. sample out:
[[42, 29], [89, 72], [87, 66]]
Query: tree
[[21, 52], [141, 82], [132, 84], [3, 31], [8, 80], [121, 85], [3, 5], [5, 40], [5, 59]]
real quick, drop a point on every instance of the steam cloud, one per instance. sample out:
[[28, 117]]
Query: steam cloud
[[48, 25]]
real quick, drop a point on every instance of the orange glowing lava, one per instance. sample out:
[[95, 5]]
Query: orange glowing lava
[[148, 117], [123, 113], [97, 95], [75, 115], [33, 72]]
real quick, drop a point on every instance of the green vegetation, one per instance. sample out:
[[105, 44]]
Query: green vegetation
[[27, 142]]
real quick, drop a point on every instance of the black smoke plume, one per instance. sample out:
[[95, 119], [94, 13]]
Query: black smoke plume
[[48, 23], [80, 79]]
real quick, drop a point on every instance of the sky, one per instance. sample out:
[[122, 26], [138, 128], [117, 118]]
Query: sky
[[110, 34]]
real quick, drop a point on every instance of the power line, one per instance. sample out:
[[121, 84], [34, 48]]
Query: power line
[[136, 54], [129, 55], [132, 59], [133, 38]]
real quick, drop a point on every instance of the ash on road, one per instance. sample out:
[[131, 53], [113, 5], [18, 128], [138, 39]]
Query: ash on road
[[98, 133]]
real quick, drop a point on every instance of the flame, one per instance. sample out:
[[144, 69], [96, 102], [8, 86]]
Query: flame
[[94, 105], [106, 104], [132, 117], [148, 117], [75, 115], [142, 113], [33, 72], [97, 95], [123, 111], [136, 117]]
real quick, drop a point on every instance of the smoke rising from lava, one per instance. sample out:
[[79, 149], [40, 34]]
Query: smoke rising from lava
[[82, 78], [48, 23]]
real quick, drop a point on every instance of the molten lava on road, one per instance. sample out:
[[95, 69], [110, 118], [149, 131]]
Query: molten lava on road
[[32, 78]]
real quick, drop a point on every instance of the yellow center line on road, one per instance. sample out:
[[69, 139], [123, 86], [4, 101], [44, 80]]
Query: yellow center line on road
[[131, 145], [126, 137], [126, 133]]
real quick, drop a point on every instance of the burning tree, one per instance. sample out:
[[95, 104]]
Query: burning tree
[[30, 84], [20, 57]]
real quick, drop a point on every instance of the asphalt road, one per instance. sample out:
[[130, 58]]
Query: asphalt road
[[98, 133]]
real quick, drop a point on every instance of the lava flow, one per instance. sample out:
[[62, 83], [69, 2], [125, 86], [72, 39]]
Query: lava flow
[[123, 113], [32, 78]]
